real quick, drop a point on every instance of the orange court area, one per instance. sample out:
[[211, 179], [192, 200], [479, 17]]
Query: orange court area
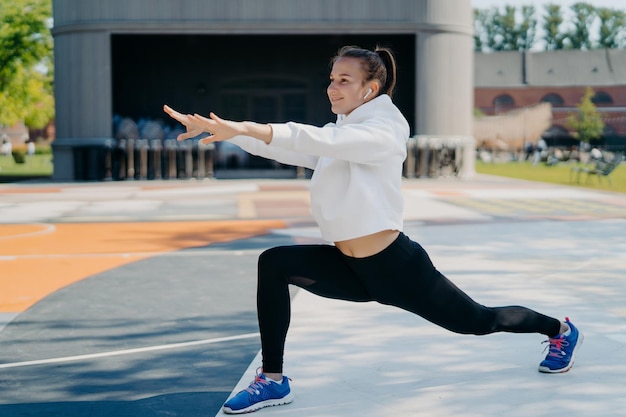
[[38, 259]]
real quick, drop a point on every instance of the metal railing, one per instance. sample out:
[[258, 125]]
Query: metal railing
[[437, 156], [143, 159]]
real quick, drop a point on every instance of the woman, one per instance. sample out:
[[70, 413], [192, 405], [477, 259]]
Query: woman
[[357, 202]]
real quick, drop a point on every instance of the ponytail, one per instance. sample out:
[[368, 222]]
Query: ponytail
[[389, 62]]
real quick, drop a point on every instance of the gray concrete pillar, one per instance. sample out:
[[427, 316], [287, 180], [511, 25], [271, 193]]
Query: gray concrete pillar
[[444, 84], [83, 97]]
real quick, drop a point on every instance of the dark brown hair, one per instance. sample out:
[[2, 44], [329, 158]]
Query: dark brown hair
[[379, 65]]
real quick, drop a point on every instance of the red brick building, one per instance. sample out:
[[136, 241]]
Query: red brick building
[[510, 80]]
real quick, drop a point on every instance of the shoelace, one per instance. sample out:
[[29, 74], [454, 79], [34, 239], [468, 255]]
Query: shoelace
[[556, 346], [256, 385]]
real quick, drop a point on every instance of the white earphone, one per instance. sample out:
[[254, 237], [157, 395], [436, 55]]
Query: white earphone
[[368, 93]]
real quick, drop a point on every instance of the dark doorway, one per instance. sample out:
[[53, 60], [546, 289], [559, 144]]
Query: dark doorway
[[265, 78]]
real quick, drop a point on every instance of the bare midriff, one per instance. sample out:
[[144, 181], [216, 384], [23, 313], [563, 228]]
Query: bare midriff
[[368, 245]]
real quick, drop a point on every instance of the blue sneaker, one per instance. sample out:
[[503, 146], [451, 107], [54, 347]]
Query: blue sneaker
[[560, 357], [262, 392]]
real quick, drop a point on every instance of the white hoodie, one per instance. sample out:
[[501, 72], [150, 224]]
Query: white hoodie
[[357, 163]]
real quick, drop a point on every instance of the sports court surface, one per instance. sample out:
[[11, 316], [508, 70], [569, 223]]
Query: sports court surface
[[138, 299]]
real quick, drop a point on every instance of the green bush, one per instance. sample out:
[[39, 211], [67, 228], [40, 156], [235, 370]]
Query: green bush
[[43, 149], [19, 156]]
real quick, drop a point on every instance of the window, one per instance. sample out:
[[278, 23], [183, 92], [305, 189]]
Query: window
[[554, 99], [503, 102], [602, 98], [265, 100], [554, 132], [608, 130]]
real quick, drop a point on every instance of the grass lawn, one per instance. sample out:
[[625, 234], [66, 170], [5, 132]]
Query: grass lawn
[[35, 166], [556, 174]]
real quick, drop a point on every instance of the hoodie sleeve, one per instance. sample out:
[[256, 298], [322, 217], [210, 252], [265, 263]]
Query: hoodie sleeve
[[284, 156], [369, 142]]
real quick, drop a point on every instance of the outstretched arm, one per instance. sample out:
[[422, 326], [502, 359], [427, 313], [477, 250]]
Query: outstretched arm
[[218, 128]]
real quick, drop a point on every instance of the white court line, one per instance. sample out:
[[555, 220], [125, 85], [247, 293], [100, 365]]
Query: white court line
[[48, 228], [127, 351]]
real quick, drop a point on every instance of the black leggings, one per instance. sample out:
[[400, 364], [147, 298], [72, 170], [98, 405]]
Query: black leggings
[[401, 275]]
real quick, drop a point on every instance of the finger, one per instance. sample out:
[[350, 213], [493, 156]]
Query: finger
[[167, 109], [187, 135], [200, 117], [202, 121], [184, 119], [206, 125], [175, 115], [207, 140]]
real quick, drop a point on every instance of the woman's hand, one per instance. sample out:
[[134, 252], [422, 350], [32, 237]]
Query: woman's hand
[[218, 129], [192, 126]]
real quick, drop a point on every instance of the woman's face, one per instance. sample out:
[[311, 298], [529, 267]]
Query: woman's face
[[347, 86]]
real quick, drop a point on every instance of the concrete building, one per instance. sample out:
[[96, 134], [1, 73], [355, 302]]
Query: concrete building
[[265, 60]]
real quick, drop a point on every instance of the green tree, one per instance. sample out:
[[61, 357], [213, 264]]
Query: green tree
[[552, 21], [584, 15], [503, 30], [527, 28], [587, 122], [510, 28], [612, 27], [483, 29], [26, 62], [506, 32], [479, 29]]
